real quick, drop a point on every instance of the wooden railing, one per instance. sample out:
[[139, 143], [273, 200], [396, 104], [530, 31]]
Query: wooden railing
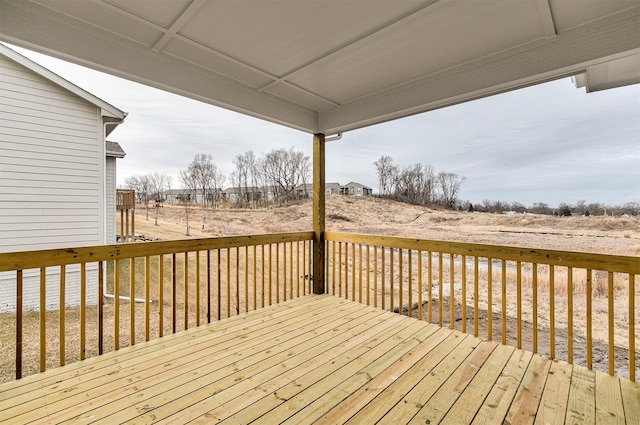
[[567, 305], [125, 199], [176, 285]]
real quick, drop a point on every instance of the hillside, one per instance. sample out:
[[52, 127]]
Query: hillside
[[612, 235]]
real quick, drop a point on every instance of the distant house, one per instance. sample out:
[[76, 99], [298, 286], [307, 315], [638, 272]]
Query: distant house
[[179, 196], [332, 188], [303, 191], [239, 194], [355, 189], [57, 171], [269, 193]]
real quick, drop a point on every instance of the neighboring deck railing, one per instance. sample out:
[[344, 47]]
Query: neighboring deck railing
[[542, 300], [176, 285]]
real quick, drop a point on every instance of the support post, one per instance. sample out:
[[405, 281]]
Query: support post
[[318, 213]]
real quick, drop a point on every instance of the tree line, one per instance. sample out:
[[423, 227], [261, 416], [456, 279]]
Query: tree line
[[284, 175], [581, 208], [417, 184], [268, 179]]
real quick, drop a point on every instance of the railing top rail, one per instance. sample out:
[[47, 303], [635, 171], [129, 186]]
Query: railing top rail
[[612, 263], [54, 257]]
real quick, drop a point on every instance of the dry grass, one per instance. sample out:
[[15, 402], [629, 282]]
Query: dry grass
[[366, 215]]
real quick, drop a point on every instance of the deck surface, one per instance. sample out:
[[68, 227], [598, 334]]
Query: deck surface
[[320, 359]]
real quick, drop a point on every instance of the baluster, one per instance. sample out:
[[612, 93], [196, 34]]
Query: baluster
[[489, 299], [43, 324], [132, 306], [452, 319], [147, 299], [534, 272], [610, 313], [504, 302], [631, 322], [552, 313], [62, 302], [83, 309], [589, 322]]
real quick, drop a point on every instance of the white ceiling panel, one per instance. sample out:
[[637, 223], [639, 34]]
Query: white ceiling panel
[[280, 36], [151, 10], [105, 17], [438, 38], [301, 97], [201, 56], [571, 13]]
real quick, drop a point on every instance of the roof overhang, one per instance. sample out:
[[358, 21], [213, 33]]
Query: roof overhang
[[114, 150], [611, 74], [335, 66]]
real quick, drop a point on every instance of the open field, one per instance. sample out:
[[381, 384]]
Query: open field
[[610, 235], [360, 215]]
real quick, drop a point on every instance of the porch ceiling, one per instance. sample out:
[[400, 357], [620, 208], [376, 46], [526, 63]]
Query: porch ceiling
[[333, 66]]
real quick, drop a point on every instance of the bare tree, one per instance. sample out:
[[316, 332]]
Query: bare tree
[[581, 207], [387, 171], [142, 185], [497, 207], [285, 170], [190, 185], [217, 180], [449, 185], [241, 176], [157, 182], [518, 207], [169, 182], [199, 176], [408, 184], [540, 208]]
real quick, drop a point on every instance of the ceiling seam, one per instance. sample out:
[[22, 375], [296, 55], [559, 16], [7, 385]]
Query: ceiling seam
[[181, 20], [181, 37], [125, 12], [289, 84], [384, 27], [544, 8]]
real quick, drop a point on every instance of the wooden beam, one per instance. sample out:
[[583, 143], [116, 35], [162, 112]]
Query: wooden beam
[[318, 213]]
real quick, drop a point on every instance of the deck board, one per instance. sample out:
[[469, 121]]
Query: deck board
[[497, 403], [325, 360], [553, 405]]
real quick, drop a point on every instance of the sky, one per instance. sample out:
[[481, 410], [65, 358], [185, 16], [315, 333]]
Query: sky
[[550, 143]]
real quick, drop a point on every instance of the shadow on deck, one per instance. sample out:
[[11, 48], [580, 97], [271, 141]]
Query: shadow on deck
[[321, 359]]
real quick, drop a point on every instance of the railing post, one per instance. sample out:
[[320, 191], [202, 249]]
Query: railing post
[[318, 213]]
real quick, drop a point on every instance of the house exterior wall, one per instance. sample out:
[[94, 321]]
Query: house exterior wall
[[110, 200], [332, 189], [355, 189], [51, 173]]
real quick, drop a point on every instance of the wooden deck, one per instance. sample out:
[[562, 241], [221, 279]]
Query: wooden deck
[[320, 359]]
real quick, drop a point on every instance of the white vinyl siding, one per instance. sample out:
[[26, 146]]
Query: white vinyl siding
[[31, 288], [51, 164], [110, 201]]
